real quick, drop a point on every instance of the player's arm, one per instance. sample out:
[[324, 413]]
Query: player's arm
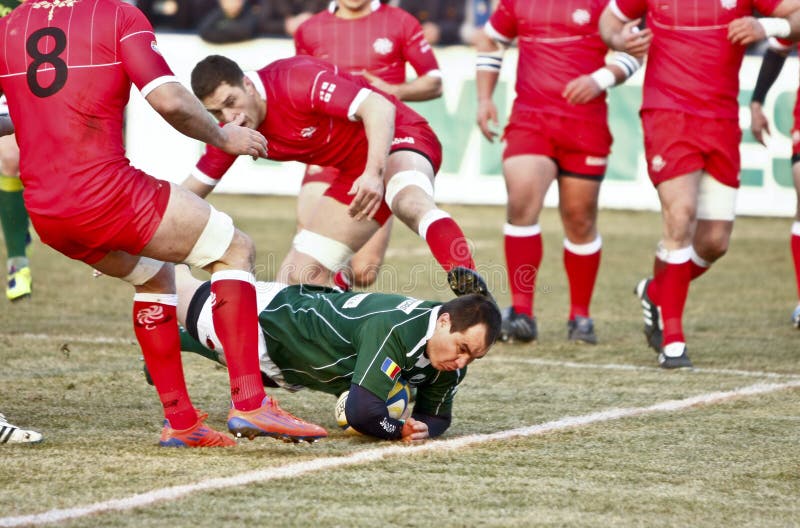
[[423, 88], [6, 126], [584, 88], [378, 116], [367, 414], [771, 67], [198, 187], [783, 22], [621, 33], [490, 53]]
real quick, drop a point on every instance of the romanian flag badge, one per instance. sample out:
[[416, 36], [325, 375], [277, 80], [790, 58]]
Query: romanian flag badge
[[390, 368]]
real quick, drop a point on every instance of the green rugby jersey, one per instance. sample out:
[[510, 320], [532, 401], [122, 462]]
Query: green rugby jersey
[[325, 340]]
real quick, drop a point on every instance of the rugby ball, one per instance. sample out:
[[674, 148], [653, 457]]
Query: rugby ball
[[396, 404]]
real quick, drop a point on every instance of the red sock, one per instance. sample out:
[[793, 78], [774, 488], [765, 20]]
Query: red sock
[[235, 315], [341, 281], [658, 268], [581, 262], [795, 244], [698, 265], [155, 324], [674, 287], [446, 240], [523, 245]]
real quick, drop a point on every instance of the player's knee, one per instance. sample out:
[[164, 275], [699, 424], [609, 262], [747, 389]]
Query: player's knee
[[241, 252], [323, 251], [365, 273], [409, 194], [148, 272], [579, 222]]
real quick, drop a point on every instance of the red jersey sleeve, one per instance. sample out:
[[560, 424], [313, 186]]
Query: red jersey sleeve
[[141, 58], [628, 9], [324, 91], [416, 49], [502, 24], [300, 47], [213, 165], [766, 6]]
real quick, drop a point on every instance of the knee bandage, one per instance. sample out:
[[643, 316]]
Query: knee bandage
[[715, 201], [144, 270], [213, 242], [331, 253], [404, 179]]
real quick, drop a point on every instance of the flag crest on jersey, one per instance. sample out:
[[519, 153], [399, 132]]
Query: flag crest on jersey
[[390, 368]]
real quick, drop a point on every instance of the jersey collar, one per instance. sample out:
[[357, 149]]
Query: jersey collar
[[434, 315], [374, 6], [257, 82]]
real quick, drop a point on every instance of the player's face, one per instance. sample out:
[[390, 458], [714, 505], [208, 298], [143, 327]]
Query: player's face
[[227, 102], [455, 350], [354, 5]]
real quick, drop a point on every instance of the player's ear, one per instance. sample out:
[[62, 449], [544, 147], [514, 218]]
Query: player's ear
[[443, 319]]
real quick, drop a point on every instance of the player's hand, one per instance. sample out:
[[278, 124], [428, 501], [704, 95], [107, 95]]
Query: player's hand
[[368, 191], [745, 31], [758, 123], [240, 140], [487, 119], [414, 431], [634, 41], [379, 83], [581, 90]]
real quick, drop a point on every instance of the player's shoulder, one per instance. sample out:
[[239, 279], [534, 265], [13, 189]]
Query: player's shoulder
[[397, 15]]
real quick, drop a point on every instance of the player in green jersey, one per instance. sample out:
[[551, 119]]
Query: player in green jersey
[[322, 339]]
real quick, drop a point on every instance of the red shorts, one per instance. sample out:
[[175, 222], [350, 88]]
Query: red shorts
[[418, 138], [677, 143], [315, 173], [124, 220], [576, 145]]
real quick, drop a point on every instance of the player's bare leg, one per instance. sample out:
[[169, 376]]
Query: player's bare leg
[[577, 204], [527, 178], [409, 194], [795, 242], [15, 223], [326, 245]]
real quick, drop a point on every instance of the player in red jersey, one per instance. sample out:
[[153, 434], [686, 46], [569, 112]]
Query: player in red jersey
[[365, 37], [71, 66], [312, 112], [771, 67], [690, 117], [558, 130]]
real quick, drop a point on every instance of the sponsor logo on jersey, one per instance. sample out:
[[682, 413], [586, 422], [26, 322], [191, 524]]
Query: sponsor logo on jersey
[[728, 4], [151, 316], [382, 46], [594, 161], [581, 17], [326, 91], [154, 46], [657, 163], [407, 139], [355, 300], [408, 305], [308, 131], [390, 368]]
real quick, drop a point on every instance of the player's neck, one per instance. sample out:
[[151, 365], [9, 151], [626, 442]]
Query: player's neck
[[351, 14]]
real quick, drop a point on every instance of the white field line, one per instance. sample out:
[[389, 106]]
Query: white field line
[[613, 366], [73, 338], [372, 455]]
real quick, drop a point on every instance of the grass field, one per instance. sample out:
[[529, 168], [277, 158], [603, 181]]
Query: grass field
[[551, 434]]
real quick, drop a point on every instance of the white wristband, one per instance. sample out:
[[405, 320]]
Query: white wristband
[[604, 78], [775, 27]]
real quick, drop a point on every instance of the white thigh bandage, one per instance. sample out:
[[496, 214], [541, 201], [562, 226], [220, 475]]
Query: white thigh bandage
[[144, 270], [715, 201], [213, 242], [329, 252], [404, 179]]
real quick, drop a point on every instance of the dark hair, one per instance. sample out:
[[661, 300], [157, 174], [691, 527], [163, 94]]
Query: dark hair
[[212, 72], [470, 310]]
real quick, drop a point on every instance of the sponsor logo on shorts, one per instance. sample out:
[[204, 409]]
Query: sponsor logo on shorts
[[389, 428], [594, 161], [308, 132], [382, 46], [408, 305], [728, 4], [657, 163], [355, 300], [581, 17], [417, 378], [407, 139]]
